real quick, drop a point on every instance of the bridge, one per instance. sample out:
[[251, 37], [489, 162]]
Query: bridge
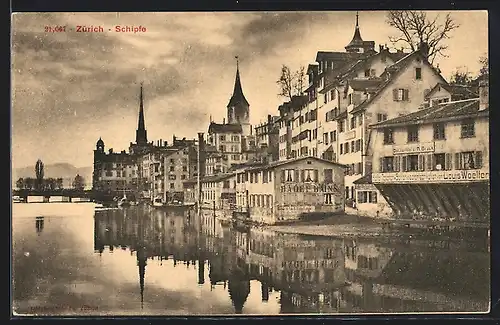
[[65, 195]]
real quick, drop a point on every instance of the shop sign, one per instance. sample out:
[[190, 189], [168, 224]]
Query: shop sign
[[448, 176], [414, 148]]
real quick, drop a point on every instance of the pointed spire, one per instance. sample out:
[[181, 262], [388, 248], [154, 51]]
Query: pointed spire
[[357, 41], [238, 97], [141, 135]]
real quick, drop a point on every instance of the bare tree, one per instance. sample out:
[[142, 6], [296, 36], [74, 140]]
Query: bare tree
[[415, 29], [291, 83], [484, 70], [461, 76]]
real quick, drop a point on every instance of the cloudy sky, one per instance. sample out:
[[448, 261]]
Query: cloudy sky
[[71, 88]]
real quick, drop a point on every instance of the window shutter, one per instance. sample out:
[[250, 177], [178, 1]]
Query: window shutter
[[406, 94], [296, 175], [430, 162], [447, 161], [397, 163], [458, 164], [404, 165], [479, 159], [316, 175], [395, 95], [381, 166], [421, 162]]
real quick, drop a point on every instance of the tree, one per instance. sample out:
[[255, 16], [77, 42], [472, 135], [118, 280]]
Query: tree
[[20, 183], [78, 183], [484, 70], [291, 83], [416, 29], [39, 174], [59, 183], [29, 183], [461, 76]]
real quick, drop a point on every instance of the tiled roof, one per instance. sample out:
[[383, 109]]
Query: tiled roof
[[445, 111], [367, 179], [390, 75], [224, 128], [288, 161], [364, 84], [458, 92]]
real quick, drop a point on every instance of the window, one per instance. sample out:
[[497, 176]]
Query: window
[[387, 164], [341, 126], [172, 168], [222, 138], [418, 73], [358, 145], [400, 95], [171, 177], [347, 147], [184, 168], [388, 136], [439, 133], [332, 94], [289, 175], [367, 197], [353, 122], [360, 120], [412, 163], [309, 175], [381, 117], [467, 128], [469, 160], [325, 138], [438, 161], [353, 146], [349, 99], [183, 176], [333, 136], [360, 168], [222, 148], [328, 175], [225, 184], [367, 72], [412, 133], [341, 148], [172, 185], [235, 138], [325, 98], [265, 176], [328, 199]]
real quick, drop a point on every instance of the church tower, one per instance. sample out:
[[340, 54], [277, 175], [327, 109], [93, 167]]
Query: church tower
[[357, 45], [141, 137], [238, 108]]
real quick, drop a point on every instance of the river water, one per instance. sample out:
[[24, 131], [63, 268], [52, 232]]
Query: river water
[[72, 259]]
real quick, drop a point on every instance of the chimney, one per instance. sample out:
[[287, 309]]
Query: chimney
[[380, 47], [110, 150], [483, 94], [424, 49]]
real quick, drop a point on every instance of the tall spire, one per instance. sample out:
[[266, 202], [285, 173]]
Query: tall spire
[[356, 42], [141, 134], [238, 97]]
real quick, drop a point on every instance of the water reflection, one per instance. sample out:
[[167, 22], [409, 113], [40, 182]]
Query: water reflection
[[39, 224], [309, 274]]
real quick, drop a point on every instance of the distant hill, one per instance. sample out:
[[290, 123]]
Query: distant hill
[[64, 170]]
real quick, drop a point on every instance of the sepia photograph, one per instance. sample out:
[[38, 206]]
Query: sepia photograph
[[250, 163]]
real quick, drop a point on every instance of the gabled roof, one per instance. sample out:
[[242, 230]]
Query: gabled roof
[[224, 128], [436, 113], [457, 92], [289, 161], [391, 73]]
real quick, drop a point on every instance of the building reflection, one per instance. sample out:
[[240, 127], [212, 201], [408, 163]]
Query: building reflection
[[309, 274]]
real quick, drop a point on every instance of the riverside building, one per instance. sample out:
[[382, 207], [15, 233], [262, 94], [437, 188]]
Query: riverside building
[[435, 162]]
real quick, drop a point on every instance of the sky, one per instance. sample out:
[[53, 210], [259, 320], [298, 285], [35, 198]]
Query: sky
[[70, 88]]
